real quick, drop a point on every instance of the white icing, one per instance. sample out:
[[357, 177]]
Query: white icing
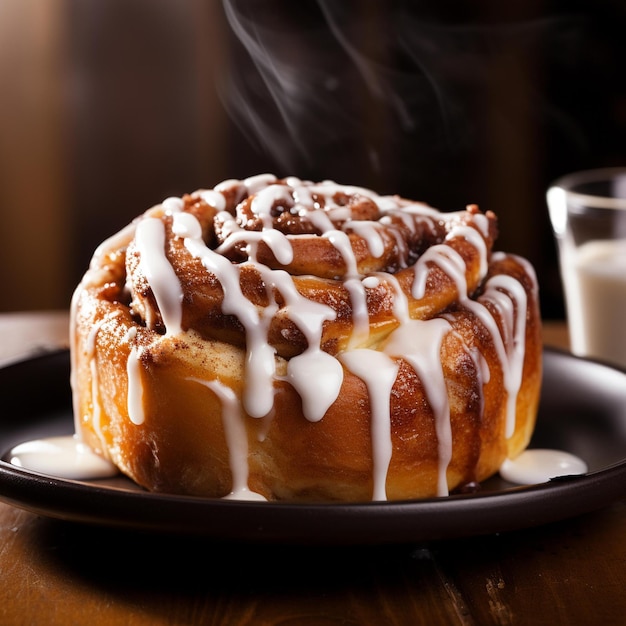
[[342, 244], [379, 373], [266, 198], [260, 365], [135, 387], [419, 343], [172, 205], [370, 231], [213, 198], [93, 368], [257, 183], [150, 237], [320, 219], [64, 457], [278, 244], [474, 237], [400, 301], [536, 466], [236, 439], [506, 292], [449, 260], [370, 282], [186, 225], [360, 314], [317, 377]]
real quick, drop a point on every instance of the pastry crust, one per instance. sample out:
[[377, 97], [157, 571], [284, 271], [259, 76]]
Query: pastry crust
[[241, 341]]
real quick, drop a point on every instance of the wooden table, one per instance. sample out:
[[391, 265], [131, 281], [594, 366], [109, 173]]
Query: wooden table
[[60, 573]]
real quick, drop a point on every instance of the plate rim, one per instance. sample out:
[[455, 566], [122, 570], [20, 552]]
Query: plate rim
[[277, 522]]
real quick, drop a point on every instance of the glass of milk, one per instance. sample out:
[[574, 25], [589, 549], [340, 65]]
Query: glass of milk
[[588, 215]]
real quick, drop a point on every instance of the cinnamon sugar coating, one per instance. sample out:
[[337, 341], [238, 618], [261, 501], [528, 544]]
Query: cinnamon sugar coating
[[306, 341]]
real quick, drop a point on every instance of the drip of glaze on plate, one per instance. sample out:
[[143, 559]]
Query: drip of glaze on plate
[[62, 457], [540, 465]]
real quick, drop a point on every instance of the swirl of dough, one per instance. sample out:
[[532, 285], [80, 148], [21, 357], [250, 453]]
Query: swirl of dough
[[306, 341], [345, 248]]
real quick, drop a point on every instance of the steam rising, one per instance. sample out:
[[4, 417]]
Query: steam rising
[[325, 86]]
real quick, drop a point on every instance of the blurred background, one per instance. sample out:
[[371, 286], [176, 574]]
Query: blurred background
[[109, 106]]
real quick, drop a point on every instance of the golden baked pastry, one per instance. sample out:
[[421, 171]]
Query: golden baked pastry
[[290, 340]]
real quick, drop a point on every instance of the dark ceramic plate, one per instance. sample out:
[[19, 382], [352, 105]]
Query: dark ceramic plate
[[583, 411]]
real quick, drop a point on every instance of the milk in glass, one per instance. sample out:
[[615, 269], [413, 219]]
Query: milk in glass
[[595, 279]]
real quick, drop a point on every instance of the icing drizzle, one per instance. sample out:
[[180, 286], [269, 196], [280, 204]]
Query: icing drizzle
[[315, 374]]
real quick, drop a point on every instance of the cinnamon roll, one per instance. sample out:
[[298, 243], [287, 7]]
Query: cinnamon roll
[[288, 340]]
